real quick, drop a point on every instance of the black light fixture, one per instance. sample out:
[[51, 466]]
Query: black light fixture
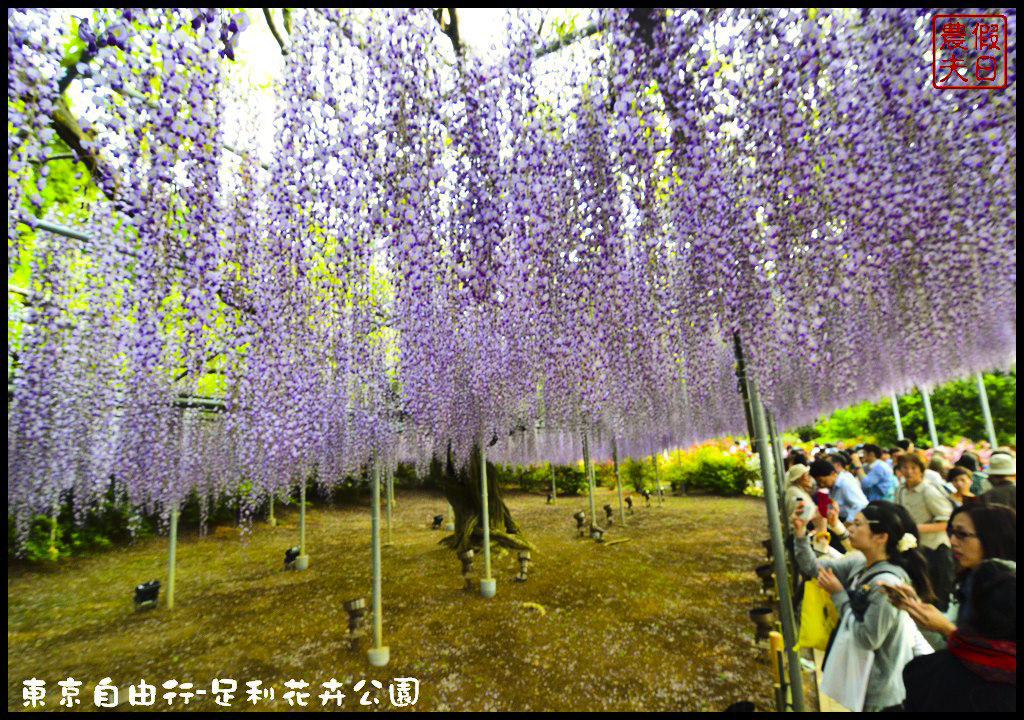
[[629, 503], [290, 555], [764, 619], [608, 513], [146, 595], [765, 572], [438, 519], [494, 440], [356, 610], [647, 497], [549, 499], [580, 518], [524, 565], [466, 558]]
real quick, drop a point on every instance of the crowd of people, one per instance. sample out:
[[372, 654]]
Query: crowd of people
[[920, 549]]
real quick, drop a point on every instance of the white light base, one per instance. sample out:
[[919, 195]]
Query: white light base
[[302, 562], [450, 527], [379, 657], [488, 587]]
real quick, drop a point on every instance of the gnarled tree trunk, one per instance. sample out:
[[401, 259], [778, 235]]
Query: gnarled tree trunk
[[462, 489]]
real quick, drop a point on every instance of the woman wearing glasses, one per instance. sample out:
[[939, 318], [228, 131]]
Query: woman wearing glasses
[[978, 671], [887, 538], [976, 533]]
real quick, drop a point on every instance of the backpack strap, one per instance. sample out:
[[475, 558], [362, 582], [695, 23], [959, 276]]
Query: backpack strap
[[860, 582], [876, 573]]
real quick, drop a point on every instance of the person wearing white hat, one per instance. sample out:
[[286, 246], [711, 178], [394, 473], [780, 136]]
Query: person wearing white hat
[[798, 488], [1002, 473]]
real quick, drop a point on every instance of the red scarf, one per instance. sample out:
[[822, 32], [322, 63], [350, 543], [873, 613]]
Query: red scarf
[[992, 660]]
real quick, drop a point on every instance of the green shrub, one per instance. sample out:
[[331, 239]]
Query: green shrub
[[55, 539], [405, 476], [604, 475], [638, 473], [712, 471], [635, 474], [570, 480]]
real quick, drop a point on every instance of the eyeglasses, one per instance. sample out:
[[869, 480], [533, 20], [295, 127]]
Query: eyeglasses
[[960, 535]]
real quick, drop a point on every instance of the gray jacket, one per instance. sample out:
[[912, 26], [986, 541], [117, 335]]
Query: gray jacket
[[882, 630]]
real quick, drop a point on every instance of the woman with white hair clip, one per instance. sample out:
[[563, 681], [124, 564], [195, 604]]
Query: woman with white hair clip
[[887, 538]]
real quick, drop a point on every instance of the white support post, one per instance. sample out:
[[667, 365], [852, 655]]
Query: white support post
[[379, 654], [172, 557], [657, 480], [488, 585], [302, 561], [618, 481], [389, 478], [930, 418], [896, 416], [986, 412], [588, 467]]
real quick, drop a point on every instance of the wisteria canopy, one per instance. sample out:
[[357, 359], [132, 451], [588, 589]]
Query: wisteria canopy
[[444, 247]]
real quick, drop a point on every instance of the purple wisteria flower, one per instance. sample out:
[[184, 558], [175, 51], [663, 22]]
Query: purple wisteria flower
[[449, 248]]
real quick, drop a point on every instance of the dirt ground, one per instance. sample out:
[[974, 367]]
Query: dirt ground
[[657, 623]]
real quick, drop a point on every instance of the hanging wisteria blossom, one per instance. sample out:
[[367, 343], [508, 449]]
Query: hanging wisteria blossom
[[448, 248]]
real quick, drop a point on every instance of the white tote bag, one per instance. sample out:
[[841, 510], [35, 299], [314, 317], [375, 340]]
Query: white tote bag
[[845, 677]]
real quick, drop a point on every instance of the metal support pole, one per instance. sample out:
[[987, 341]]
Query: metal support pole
[[389, 478], [896, 416], [488, 585], [588, 467], [780, 478], [302, 518], [618, 481], [759, 431], [379, 654], [741, 377], [986, 412], [775, 438], [172, 557], [778, 550], [554, 487], [657, 477], [53, 532], [929, 417]]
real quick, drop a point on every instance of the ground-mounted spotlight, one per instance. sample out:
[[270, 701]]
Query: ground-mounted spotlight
[[467, 568], [146, 595], [290, 556], [550, 498], [438, 520], [647, 497], [356, 610], [524, 565], [608, 514], [764, 619], [581, 520], [629, 504], [596, 533], [766, 573], [742, 706]]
